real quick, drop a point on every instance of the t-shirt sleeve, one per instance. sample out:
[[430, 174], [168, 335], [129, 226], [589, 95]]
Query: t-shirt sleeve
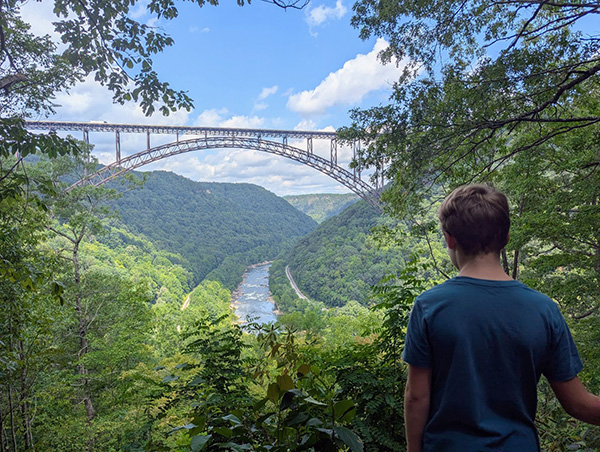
[[563, 363], [417, 351]]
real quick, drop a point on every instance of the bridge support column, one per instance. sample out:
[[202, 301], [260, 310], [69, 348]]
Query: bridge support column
[[357, 149], [117, 147], [147, 139], [354, 159], [86, 136], [309, 146], [333, 152], [379, 177]]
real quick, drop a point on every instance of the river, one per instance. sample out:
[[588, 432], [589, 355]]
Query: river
[[252, 298]]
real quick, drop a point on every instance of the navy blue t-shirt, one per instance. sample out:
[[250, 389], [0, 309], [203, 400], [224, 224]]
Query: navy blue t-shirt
[[487, 343]]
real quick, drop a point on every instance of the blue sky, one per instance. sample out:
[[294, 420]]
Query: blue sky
[[255, 66]]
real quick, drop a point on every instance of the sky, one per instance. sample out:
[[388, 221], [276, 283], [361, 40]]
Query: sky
[[256, 66]]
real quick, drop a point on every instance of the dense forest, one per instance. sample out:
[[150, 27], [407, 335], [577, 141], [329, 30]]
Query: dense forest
[[108, 344]]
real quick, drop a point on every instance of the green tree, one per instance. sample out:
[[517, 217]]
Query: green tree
[[477, 74], [79, 213], [28, 290]]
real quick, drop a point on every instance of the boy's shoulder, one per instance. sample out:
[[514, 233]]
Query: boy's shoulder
[[461, 286]]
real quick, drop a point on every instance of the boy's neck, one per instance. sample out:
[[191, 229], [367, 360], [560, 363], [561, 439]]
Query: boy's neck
[[484, 266]]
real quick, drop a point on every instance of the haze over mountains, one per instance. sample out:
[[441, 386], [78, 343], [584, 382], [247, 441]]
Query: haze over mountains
[[322, 205]]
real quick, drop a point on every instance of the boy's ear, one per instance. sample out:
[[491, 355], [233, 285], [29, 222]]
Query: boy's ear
[[450, 241]]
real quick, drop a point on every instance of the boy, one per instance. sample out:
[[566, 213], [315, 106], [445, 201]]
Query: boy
[[477, 344]]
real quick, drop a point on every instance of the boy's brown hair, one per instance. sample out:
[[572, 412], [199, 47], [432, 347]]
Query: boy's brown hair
[[477, 216]]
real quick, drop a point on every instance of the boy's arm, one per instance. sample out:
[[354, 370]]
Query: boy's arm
[[577, 401], [416, 406]]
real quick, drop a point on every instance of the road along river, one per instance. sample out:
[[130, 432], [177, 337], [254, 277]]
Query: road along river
[[252, 298]]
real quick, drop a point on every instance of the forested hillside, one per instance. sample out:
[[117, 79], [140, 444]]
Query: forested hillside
[[341, 260], [218, 229], [321, 206]]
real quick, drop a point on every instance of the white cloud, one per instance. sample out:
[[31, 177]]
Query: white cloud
[[215, 118], [139, 10], [244, 122], [211, 117], [258, 106], [195, 29], [306, 124], [91, 101], [266, 92], [348, 85], [321, 14], [40, 16], [275, 173]]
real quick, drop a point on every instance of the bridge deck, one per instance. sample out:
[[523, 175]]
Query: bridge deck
[[174, 130]]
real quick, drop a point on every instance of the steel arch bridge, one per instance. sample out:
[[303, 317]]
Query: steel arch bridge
[[215, 138]]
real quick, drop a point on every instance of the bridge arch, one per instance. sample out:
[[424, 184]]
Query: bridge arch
[[129, 163]]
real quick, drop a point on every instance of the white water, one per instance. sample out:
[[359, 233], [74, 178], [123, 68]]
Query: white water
[[252, 298]]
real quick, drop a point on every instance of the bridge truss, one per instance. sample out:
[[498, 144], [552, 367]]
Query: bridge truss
[[217, 138]]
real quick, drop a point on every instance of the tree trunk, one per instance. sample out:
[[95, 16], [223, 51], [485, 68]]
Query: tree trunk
[[24, 400], [13, 433], [83, 341], [3, 446]]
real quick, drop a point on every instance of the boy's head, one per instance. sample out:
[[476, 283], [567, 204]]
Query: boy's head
[[477, 217]]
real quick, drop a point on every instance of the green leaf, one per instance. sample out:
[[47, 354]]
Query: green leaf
[[314, 401], [273, 393], [285, 382], [232, 418], [349, 438], [200, 421], [303, 370], [344, 410], [197, 381], [287, 400], [234, 446], [298, 418], [199, 442], [313, 422], [223, 431]]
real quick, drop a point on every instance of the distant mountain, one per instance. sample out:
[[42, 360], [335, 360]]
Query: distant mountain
[[322, 205], [217, 228]]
